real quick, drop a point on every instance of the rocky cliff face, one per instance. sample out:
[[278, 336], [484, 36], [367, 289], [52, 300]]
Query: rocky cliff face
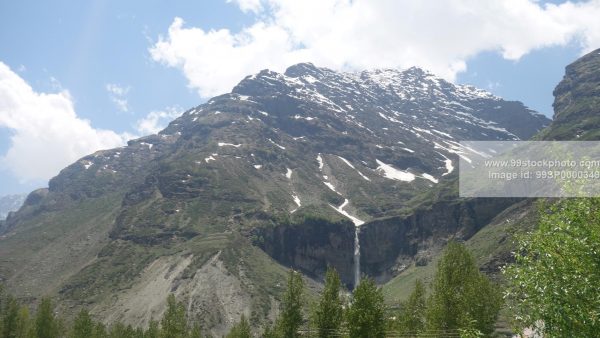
[[390, 245], [311, 245], [275, 174], [577, 102]]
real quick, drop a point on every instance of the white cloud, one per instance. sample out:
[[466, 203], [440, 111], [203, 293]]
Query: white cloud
[[254, 6], [342, 34], [117, 95], [155, 121], [46, 133]]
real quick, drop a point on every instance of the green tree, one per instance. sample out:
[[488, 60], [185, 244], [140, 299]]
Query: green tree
[[120, 330], [46, 325], [2, 301], [153, 330], [412, 316], [173, 323], [83, 325], [366, 314], [462, 297], [270, 332], [195, 332], [24, 328], [291, 312], [10, 318], [99, 331], [329, 311], [553, 284], [241, 329]]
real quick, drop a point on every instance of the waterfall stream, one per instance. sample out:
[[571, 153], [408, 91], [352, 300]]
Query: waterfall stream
[[357, 223], [356, 257]]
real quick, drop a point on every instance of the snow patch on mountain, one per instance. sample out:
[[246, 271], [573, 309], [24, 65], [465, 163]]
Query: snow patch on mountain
[[357, 222], [393, 173], [352, 166], [224, 144], [277, 145]]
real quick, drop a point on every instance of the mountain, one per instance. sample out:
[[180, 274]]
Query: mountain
[[303, 169], [10, 203]]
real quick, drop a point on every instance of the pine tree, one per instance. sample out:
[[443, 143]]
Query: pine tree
[[462, 297], [241, 329], [10, 318], [83, 326], [173, 323], [329, 312], [99, 331], [120, 330], [366, 315], [195, 332], [153, 330], [2, 302], [46, 325], [291, 314], [24, 329], [270, 331], [412, 316]]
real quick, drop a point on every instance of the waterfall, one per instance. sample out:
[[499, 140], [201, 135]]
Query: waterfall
[[356, 257], [357, 223]]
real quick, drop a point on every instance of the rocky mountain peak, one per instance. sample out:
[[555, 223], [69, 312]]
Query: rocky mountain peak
[[303, 69]]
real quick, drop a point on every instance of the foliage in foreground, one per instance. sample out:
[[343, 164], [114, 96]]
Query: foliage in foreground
[[462, 297], [366, 314], [328, 316], [553, 284]]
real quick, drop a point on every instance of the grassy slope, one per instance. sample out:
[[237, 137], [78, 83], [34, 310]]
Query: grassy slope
[[43, 252]]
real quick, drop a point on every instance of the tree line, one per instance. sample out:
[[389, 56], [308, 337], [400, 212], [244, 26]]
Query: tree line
[[462, 301]]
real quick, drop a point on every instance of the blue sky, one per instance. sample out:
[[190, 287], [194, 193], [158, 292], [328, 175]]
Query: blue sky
[[123, 83]]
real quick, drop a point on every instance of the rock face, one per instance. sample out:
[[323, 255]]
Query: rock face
[[577, 102], [311, 245], [390, 245], [274, 174]]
